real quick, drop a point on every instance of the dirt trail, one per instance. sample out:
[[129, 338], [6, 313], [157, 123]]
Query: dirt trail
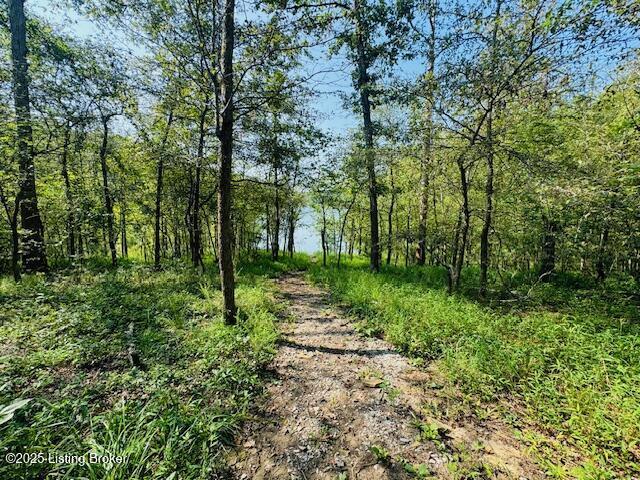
[[344, 406]]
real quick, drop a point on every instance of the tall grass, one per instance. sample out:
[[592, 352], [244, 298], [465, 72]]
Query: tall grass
[[65, 345], [575, 369]]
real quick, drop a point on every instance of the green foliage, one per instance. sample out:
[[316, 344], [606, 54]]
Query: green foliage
[[417, 470], [568, 356], [429, 431], [65, 345], [381, 453]]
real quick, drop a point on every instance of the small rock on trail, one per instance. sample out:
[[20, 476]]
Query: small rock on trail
[[343, 406]]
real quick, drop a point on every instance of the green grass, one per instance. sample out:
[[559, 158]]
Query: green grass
[[64, 345], [568, 353]]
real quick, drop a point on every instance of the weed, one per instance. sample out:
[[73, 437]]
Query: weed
[[381, 453], [65, 343], [568, 352], [429, 431]]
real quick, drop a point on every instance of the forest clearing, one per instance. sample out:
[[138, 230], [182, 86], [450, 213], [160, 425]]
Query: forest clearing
[[363, 239]]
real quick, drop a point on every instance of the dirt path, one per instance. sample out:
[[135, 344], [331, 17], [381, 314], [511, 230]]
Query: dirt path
[[343, 406]]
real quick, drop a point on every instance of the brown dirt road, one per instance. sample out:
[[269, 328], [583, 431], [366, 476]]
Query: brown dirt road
[[342, 406]]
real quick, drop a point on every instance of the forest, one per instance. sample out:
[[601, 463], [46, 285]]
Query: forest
[[309, 239]]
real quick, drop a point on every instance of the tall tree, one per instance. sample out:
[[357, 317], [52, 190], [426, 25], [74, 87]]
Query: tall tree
[[224, 132], [372, 35], [161, 154], [34, 258]]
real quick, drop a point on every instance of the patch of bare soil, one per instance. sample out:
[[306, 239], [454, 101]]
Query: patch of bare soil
[[346, 407]]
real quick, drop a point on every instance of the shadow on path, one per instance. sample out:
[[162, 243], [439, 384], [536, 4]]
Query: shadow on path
[[335, 351]]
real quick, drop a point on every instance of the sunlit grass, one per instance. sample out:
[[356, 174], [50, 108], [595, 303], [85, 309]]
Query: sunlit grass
[[65, 345], [571, 362]]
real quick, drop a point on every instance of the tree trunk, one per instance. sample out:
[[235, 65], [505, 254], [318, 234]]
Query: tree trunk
[[428, 144], [275, 243], [196, 247], [15, 245], [123, 230], [406, 245], [267, 226], [34, 258], [159, 182], [108, 204], [292, 227], [390, 219], [323, 237], [548, 262], [225, 135], [464, 228], [365, 104], [486, 227], [80, 241], [352, 238], [71, 237], [12, 218], [422, 224], [603, 261], [342, 227]]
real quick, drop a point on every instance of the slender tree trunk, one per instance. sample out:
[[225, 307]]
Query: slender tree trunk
[[456, 239], [428, 143], [196, 248], [123, 230], [486, 227], [15, 246], [71, 237], [159, 185], [158, 212], [34, 258], [342, 227], [352, 237], [267, 226], [422, 224], [602, 263], [292, 227], [188, 216], [80, 241], [407, 239], [286, 234], [390, 219], [548, 263], [12, 218], [177, 247], [464, 228], [108, 204], [323, 240], [365, 104], [225, 135], [275, 243], [398, 225], [323, 237]]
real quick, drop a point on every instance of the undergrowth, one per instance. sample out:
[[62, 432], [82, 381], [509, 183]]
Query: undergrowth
[[568, 354], [66, 345]]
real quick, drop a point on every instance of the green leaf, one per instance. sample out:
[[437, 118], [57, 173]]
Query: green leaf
[[6, 412]]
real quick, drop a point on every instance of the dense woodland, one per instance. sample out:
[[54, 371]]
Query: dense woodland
[[514, 149], [492, 149]]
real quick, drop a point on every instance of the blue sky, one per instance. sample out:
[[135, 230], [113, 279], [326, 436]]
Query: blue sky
[[332, 116]]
